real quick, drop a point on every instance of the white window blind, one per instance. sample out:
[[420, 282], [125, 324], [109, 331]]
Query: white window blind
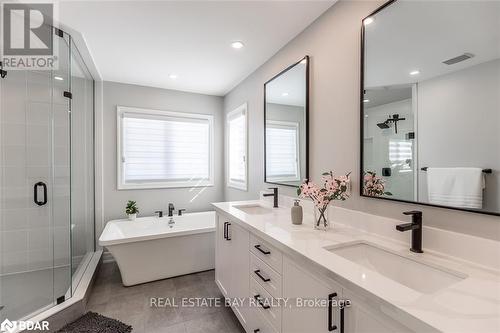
[[401, 154], [282, 151], [237, 148], [164, 149]]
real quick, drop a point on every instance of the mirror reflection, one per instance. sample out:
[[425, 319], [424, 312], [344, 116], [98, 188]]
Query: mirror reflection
[[286, 126], [431, 104]]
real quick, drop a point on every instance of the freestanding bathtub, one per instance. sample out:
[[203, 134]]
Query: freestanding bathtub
[[152, 248]]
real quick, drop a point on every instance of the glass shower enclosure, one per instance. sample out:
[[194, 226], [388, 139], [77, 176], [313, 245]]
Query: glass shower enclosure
[[46, 183]]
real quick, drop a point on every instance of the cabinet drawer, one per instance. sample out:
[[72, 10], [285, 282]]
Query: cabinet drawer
[[266, 252], [261, 324], [265, 276], [269, 309]]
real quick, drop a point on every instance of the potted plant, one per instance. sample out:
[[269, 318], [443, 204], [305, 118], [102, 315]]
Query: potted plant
[[334, 188], [131, 210]]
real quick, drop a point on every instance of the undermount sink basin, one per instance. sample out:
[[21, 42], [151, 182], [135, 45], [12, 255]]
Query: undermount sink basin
[[413, 274], [254, 209]]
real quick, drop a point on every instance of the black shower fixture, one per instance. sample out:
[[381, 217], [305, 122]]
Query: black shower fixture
[[386, 124]]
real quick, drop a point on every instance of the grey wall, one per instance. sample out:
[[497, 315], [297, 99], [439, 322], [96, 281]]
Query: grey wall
[[194, 199], [333, 42], [449, 106]]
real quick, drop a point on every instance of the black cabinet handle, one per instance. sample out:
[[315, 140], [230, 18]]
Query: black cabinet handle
[[257, 272], [35, 194], [257, 298], [227, 231], [257, 330], [263, 251], [342, 305], [331, 326]]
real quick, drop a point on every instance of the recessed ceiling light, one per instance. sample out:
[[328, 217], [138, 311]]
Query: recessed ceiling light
[[284, 94], [173, 76], [366, 100], [415, 72], [237, 45], [58, 78], [368, 20]]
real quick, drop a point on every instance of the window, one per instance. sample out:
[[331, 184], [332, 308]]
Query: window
[[160, 149], [282, 151], [237, 148]]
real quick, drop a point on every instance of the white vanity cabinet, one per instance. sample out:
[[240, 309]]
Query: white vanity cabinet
[[232, 262], [302, 286], [247, 266]]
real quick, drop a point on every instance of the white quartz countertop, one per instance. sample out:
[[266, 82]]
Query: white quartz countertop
[[469, 305]]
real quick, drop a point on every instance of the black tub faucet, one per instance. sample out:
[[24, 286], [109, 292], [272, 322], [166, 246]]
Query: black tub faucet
[[274, 195], [171, 209], [416, 230]]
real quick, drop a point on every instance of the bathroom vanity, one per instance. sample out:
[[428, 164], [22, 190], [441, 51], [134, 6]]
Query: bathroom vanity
[[361, 281]]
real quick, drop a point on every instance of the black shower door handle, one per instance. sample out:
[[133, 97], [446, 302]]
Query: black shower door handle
[[35, 193]]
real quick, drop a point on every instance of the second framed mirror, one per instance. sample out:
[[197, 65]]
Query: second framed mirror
[[286, 118]]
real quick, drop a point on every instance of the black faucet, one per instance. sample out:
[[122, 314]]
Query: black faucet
[[274, 194], [416, 230], [159, 213], [171, 209]]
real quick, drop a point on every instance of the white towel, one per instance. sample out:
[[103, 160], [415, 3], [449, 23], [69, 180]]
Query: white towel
[[457, 187]]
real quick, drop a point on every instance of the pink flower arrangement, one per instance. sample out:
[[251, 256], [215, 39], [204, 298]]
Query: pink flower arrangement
[[374, 185], [334, 188]]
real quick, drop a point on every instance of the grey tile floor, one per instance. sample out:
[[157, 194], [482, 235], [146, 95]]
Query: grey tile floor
[[131, 305]]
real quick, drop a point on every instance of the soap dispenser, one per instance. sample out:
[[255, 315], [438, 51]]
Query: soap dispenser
[[297, 213]]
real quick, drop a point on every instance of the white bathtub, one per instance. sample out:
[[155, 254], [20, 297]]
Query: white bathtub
[[150, 248]]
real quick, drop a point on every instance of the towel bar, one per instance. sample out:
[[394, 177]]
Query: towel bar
[[484, 170]]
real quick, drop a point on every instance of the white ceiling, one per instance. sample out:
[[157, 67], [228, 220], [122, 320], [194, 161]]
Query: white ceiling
[[142, 42], [289, 88], [420, 35]]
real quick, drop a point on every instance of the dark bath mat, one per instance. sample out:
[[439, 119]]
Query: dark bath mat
[[92, 322]]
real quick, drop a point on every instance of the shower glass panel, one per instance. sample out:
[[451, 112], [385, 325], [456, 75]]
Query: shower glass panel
[[82, 165], [45, 146]]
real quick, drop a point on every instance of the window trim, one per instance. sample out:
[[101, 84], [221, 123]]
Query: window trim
[[243, 186], [290, 125], [152, 113]]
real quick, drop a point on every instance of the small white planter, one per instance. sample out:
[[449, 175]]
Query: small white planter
[[132, 217]]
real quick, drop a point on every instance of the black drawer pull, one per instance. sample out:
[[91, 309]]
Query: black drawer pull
[[263, 251], [226, 231], [257, 298], [331, 326], [257, 272], [257, 330], [35, 194]]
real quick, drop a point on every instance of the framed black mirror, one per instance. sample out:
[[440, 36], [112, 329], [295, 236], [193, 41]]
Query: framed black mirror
[[430, 105], [286, 109]]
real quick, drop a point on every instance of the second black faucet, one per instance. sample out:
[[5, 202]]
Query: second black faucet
[[416, 230], [274, 195]]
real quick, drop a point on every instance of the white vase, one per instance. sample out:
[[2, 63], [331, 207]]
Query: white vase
[[132, 217], [321, 219]]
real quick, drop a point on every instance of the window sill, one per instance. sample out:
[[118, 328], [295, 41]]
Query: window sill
[[146, 186]]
